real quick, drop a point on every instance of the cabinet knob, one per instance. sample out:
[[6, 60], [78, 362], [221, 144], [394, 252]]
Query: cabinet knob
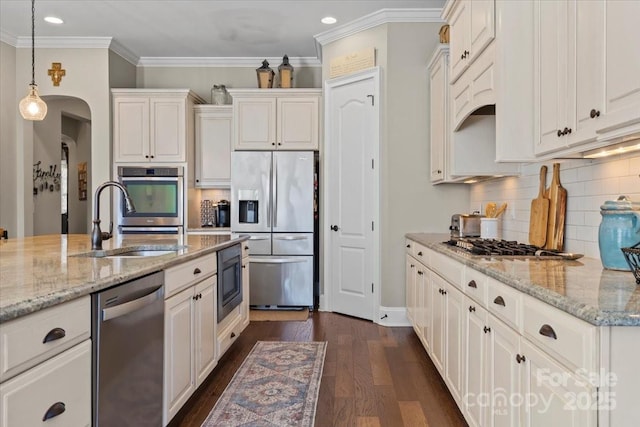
[[233, 334], [462, 56], [594, 113], [273, 143], [420, 253], [466, 53], [560, 133], [567, 130], [472, 284], [244, 266], [408, 246], [197, 271], [412, 265], [420, 273], [439, 171], [279, 143], [334, 228], [146, 157], [246, 248], [444, 292], [54, 334], [520, 358], [486, 329], [197, 180], [152, 157], [54, 410], [471, 309]]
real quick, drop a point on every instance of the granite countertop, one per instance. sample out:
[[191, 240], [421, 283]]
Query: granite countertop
[[42, 271], [581, 288]]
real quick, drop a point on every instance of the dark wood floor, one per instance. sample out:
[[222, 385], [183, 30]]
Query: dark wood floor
[[373, 376]]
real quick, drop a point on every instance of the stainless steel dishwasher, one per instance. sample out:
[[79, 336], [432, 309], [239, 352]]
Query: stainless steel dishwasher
[[128, 341]]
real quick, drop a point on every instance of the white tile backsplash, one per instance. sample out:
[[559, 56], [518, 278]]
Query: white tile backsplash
[[589, 184]]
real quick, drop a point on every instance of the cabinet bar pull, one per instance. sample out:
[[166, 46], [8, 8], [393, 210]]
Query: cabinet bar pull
[[499, 300], [486, 329], [54, 334], [197, 271], [471, 309], [54, 410], [520, 359], [548, 331], [472, 284]]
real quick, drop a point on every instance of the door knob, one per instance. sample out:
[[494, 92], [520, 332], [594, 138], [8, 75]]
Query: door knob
[[334, 227]]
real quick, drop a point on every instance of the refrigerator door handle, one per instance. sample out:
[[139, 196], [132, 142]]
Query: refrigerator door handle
[[259, 238], [270, 195], [276, 260], [291, 238], [275, 191]]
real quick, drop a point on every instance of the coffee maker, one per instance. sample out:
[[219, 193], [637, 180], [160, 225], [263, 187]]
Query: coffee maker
[[224, 214]]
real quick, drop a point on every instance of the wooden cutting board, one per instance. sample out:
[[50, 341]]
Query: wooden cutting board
[[539, 214], [557, 211]]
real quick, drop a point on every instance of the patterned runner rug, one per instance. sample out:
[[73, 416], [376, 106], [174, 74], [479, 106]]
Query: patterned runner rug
[[277, 385]]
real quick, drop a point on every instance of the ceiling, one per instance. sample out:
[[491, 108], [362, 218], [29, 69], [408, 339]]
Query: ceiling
[[193, 29]]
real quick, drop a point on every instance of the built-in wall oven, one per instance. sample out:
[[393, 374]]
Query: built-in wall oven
[[229, 280], [158, 195]]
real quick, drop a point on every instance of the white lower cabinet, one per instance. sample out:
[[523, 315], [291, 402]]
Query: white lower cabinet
[[497, 374], [56, 392], [190, 343]]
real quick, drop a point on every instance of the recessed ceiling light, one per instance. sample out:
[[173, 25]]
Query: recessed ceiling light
[[328, 20], [53, 20]]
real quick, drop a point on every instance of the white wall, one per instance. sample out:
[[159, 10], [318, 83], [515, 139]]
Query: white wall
[[8, 153], [589, 184], [87, 79], [409, 203]]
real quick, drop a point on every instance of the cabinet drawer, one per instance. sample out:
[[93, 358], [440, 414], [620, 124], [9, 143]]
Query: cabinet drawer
[[447, 268], [183, 275], [568, 339], [504, 302], [421, 253], [409, 245], [230, 331], [475, 285], [28, 340], [62, 380]]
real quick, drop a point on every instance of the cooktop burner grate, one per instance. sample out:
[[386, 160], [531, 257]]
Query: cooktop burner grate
[[494, 247]]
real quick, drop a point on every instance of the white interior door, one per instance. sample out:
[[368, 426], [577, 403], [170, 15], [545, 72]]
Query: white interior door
[[351, 201]]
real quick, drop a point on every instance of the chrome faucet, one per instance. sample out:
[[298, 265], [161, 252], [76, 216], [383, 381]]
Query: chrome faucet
[[97, 236]]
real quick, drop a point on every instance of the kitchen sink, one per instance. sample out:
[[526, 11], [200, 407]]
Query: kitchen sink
[[140, 251]]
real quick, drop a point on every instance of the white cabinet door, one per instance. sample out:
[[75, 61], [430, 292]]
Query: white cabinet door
[[297, 127], [558, 398], [460, 38], [205, 322], [622, 64], [504, 374], [483, 28], [552, 74], [438, 285], [476, 364], [131, 129], [421, 278], [426, 308], [179, 381], [213, 146], [167, 129], [439, 128], [410, 288], [454, 338], [244, 306], [588, 70], [60, 383], [254, 123]]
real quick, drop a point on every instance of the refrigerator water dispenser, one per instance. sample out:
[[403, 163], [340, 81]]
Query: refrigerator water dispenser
[[248, 211]]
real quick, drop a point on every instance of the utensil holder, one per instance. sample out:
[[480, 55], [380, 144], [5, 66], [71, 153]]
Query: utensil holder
[[632, 255], [490, 228]]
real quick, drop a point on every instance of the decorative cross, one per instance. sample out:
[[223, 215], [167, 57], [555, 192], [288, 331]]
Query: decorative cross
[[56, 72]]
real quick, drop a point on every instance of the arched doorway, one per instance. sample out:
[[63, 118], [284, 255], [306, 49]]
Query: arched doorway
[[68, 125]]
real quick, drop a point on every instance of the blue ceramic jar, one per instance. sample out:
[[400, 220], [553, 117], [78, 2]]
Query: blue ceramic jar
[[620, 228]]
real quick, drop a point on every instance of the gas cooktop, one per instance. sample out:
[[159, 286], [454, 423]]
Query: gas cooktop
[[505, 248]]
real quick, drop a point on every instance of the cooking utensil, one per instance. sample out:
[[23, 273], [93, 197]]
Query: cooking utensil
[[490, 210], [563, 255], [501, 210], [539, 213], [557, 211]]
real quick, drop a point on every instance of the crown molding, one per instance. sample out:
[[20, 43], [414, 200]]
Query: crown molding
[[239, 62], [119, 49], [66, 42], [8, 38], [382, 16]]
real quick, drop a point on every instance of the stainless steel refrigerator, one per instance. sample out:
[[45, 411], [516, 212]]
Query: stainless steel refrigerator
[[272, 201]]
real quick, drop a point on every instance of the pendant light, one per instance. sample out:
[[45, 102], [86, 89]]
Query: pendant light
[[32, 107]]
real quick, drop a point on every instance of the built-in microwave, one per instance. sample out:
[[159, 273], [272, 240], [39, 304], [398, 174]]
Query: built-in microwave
[[158, 196]]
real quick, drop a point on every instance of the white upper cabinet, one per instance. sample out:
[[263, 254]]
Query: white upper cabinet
[[152, 125], [472, 28], [622, 72], [439, 128], [276, 119], [214, 127]]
